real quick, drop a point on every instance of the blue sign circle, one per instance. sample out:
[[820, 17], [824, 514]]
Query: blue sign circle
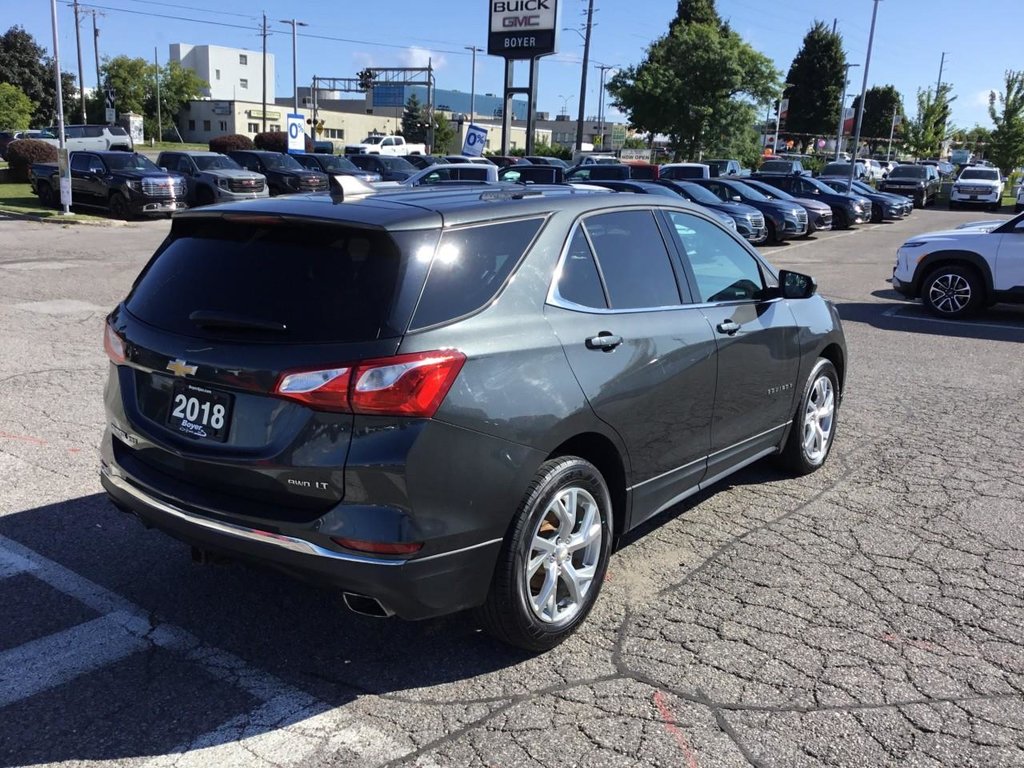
[[472, 138], [293, 129]]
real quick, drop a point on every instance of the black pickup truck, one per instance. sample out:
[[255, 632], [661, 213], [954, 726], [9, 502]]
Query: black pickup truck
[[125, 183]]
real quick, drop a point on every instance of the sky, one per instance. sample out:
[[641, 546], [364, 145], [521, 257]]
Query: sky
[[981, 39]]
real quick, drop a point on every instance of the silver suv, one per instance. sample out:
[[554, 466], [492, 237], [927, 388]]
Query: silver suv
[[213, 177]]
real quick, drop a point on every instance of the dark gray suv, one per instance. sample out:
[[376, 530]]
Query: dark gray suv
[[455, 398]]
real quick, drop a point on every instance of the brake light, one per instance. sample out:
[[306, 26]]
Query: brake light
[[380, 547], [404, 385], [325, 390], [113, 344]]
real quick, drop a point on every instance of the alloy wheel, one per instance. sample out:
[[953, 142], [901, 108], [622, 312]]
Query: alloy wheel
[[950, 293], [819, 413]]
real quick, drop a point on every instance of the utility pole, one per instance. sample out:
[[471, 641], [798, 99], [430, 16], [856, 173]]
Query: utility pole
[[78, 46], [295, 61], [942, 64], [96, 49], [159, 118], [472, 82], [842, 109], [863, 93], [264, 33], [892, 131], [583, 76], [600, 102], [65, 173]]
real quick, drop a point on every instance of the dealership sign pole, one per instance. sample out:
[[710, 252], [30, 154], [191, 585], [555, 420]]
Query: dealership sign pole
[[518, 30]]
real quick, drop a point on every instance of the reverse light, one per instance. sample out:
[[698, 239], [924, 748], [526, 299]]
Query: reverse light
[[113, 344], [379, 547], [325, 390]]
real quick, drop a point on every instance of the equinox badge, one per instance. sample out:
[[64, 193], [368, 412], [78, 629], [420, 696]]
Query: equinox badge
[[181, 368]]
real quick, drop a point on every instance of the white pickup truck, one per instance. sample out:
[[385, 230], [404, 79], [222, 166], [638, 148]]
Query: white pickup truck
[[385, 145]]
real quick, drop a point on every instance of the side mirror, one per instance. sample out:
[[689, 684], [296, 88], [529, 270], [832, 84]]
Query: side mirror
[[163, 168], [795, 285], [737, 199]]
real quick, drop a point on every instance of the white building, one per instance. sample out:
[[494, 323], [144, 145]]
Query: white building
[[233, 73]]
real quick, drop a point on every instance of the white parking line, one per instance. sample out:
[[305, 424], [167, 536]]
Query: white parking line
[[286, 728], [53, 660], [898, 312]]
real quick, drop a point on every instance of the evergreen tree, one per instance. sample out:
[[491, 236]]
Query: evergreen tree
[[924, 134], [815, 84], [414, 122], [880, 103]]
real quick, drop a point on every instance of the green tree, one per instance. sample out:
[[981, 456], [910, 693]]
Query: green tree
[[178, 86], [815, 84], [444, 134], [696, 83], [134, 84], [924, 134], [25, 65], [131, 80], [414, 121], [880, 103], [695, 12], [15, 107], [1007, 144]]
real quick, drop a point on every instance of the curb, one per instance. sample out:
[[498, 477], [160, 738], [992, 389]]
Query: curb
[[58, 219]]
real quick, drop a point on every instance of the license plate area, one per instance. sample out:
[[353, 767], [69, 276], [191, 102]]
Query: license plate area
[[199, 412]]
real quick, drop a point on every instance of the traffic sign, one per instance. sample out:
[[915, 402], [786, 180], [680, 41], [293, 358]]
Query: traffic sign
[[110, 115], [476, 140], [296, 135]]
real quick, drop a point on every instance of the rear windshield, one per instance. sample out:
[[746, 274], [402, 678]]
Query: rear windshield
[[396, 163], [699, 194], [908, 172], [323, 283], [777, 165]]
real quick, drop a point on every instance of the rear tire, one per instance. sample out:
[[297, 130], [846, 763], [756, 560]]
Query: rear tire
[[953, 291], [554, 557], [814, 424]]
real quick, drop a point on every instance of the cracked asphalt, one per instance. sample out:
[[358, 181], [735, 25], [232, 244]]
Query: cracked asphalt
[[871, 614]]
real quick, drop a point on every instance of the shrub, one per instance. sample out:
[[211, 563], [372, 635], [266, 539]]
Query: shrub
[[277, 141], [23, 152], [229, 142]]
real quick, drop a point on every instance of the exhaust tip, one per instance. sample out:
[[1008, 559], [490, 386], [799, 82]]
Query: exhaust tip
[[365, 605]]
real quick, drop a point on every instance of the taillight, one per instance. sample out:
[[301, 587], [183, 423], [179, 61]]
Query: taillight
[[113, 344], [404, 385], [325, 390]]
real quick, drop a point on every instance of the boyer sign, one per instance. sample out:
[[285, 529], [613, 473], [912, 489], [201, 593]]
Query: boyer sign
[[522, 29]]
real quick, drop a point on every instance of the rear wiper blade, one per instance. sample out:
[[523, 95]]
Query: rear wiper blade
[[209, 318]]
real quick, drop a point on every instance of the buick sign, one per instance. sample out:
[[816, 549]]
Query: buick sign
[[522, 29]]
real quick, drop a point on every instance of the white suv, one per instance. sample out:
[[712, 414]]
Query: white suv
[[978, 185], [957, 272], [1020, 197]]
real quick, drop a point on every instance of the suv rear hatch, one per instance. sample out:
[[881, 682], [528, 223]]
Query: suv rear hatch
[[237, 344]]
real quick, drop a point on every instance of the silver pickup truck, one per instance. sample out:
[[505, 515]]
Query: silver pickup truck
[[213, 178]]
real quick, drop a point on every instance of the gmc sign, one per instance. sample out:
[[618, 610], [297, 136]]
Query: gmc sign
[[522, 29]]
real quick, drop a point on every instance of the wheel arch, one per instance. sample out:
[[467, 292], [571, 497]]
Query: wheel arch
[[600, 451], [834, 354], [934, 261]]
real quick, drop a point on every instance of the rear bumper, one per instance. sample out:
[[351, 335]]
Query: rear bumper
[[417, 588]]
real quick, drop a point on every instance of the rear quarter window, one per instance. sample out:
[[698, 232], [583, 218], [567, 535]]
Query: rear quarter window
[[469, 267]]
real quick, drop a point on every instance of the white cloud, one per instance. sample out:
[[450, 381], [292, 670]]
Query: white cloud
[[363, 59], [981, 98], [414, 56]]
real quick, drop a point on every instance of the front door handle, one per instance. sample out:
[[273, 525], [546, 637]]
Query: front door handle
[[728, 327], [605, 340]]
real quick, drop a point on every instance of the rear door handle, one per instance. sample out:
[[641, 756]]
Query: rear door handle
[[728, 327], [605, 340]]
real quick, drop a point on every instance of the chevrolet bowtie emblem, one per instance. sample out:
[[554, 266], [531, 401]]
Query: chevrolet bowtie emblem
[[181, 368]]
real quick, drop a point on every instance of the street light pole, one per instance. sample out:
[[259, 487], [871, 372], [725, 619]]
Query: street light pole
[[472, 82], [842, 108], [295, 61], [892, 130], [778, 113], [65, 177], [600, 103], [863, 92]]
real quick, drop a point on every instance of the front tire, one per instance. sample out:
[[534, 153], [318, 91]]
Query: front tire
[[952, 291], [119, 207], [46, 197], [554, 557], [814, 424]]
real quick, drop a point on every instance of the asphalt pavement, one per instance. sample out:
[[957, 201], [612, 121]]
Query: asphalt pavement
[[871, 614]]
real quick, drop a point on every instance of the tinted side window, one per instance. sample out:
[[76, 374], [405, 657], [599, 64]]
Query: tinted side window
[[579, 281], [469, 267], [80, 162], [92, 131], [722, 267], [634, 261]]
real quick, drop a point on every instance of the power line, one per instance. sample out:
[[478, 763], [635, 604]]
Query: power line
[[191, 8]]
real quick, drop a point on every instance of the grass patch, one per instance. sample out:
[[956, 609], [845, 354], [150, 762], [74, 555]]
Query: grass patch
[[18, 198], [160, 146]]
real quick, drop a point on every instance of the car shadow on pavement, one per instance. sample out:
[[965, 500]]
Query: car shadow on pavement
[[999, 323], [154, 697]]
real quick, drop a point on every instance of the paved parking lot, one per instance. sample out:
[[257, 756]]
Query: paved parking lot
[[871, 614]]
